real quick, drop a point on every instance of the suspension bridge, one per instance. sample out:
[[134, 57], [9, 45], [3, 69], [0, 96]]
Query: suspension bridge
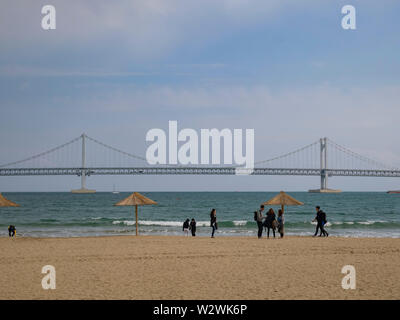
[[85, 156]]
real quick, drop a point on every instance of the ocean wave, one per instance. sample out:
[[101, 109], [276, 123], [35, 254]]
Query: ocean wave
[[235, 223], [159, 223], [240, 222], [49, 220], [369, 222], [102, 222], [364, 233]]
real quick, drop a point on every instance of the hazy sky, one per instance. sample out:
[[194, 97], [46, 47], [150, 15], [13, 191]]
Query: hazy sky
[[116, 69]]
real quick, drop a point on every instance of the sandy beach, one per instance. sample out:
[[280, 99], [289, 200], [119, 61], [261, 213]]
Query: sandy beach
[[165, 267]]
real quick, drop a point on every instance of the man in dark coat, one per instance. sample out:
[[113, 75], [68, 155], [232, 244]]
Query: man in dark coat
[[321, 221], [11, 231], [192, 227]]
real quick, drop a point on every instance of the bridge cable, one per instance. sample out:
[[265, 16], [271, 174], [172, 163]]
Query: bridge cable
[[359, 156], [41, 154], [288, 154]]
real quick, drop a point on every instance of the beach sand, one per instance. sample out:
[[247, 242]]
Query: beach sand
[[167, 267]]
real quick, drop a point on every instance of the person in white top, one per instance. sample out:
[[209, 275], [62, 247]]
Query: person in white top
[[260, 218], [185, 227]]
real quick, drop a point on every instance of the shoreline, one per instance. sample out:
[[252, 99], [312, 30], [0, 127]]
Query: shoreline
[[175, 267], [204, 191], [67, 215], [196, 237]]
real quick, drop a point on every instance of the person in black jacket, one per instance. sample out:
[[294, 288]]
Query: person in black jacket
[[213, 221], [192, 227], [321, 221], [11, 231], [270, 221]]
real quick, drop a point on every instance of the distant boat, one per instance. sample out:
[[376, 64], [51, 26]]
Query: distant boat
[[393, 191], [114, 191]]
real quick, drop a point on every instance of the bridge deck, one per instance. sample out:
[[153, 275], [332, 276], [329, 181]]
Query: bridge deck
[[194, 171]]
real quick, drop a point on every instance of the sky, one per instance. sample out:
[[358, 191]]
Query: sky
[[116, 69]]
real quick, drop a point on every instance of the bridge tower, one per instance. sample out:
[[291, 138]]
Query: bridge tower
[[324, 169], [83, 172], [324, 164]]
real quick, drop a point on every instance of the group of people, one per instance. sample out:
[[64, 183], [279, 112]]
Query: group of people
[[269, 221], [191, 225]]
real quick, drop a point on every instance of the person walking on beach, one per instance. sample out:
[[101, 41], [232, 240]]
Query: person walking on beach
[[281, 223], [192, 227], [321, 221], [213, 222], [270, 221], [185, 227], [259, 219]]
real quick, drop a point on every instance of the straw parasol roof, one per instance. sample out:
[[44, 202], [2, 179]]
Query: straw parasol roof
[[7, 203], [283, 199], [135, 199]]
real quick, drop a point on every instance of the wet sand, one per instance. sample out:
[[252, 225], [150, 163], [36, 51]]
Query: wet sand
[[166, 267]]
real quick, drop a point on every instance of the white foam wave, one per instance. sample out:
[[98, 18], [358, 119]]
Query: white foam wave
[[369, 222], [159, 223], [240, 222]]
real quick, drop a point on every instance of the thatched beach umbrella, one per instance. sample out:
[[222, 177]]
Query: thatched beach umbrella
[[135, 199], [7, 203], [283, 199]]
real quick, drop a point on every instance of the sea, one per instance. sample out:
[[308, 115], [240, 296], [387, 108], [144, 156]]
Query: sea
[[53, 214]]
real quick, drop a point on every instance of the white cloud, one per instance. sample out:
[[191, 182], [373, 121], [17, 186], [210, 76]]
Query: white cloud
[[142, 28]]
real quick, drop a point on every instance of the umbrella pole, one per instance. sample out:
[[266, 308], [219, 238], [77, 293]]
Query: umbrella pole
[[283, 209], [136, 220]]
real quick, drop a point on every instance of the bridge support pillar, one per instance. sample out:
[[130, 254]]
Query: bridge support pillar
[[323, 165], [323, 169], [83, 171]]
